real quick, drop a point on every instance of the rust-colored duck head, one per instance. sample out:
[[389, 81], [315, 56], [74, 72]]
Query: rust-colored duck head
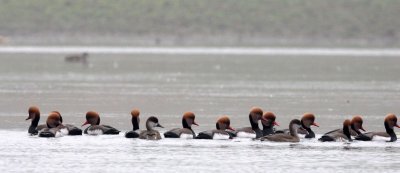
[[391, 121], [34, 113], [53, 120], [188, 120], [255, 114], [307, 120], [224, 123], [269, 119], [356, 123], [92, 118]]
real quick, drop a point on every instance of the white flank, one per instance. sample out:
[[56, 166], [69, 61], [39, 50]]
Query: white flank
[[186, 136], [219, 136], [245, 135], [95, 132]]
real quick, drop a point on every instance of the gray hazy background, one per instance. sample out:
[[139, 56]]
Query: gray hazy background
[[355, 23]]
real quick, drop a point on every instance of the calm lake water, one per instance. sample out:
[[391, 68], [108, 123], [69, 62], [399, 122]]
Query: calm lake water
[[166, 85]]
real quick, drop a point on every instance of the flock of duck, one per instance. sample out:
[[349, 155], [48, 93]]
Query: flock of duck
[[55, 127]]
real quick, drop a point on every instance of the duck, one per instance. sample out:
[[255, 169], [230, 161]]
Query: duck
[[268, 122], [150, 133], [338, 135], [135, 123], [95, 128], [307, 120], [77, 58], [223, 123], [355, 126], [294, 125], [254, 131], [34, 116], [389, 122], [185, 132], [69, 129], [53, 128]]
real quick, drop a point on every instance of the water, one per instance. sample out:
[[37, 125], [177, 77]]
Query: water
[[166, 85]]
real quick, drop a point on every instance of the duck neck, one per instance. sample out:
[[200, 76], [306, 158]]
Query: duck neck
[[391, 133], [254, 126], [135, 123], [149, 126], [268, 129], [310, 134], [354, 129], [35, 121], [346, 131], [185, 124], [293, 130]]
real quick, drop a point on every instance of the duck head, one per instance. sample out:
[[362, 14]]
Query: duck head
[[92, 118], [34, 113], [390, 122], [188, 120], [224, 123], [356, 124], [307, 120], [152, 122], [53, 120], [268, 119]]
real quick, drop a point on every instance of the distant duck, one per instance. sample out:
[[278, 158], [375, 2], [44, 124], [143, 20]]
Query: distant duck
[[34, 115], [355, 126], [389, 122], [307, 120], [135, 123], [292, 136], [254, 131], [70, 129], [77, 58], [338, 135], [268, 122], [95, 128], [186, 131], [54, 126], [222, 124], [150, 133]]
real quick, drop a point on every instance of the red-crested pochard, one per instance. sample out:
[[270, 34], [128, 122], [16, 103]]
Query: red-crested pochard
[[355, 126], [294, 125], [95, 128], [150, 133], [268, 122], [222, 124], [54, 125], [338, 135], [34, 116], [186, 131], [307, 120], [69, 128], [389, 122], [254, 131], [135, 123]]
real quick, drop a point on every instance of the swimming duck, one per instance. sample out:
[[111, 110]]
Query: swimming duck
[[222, 124], [294, 125], [307, 120], [95, 128], [34, 115], [150, 133], [54, 125], [186, 131], [355, 126], [135, 123], [338, 135], [389, 122], [268, 122], [254, 131], [69, 128]]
